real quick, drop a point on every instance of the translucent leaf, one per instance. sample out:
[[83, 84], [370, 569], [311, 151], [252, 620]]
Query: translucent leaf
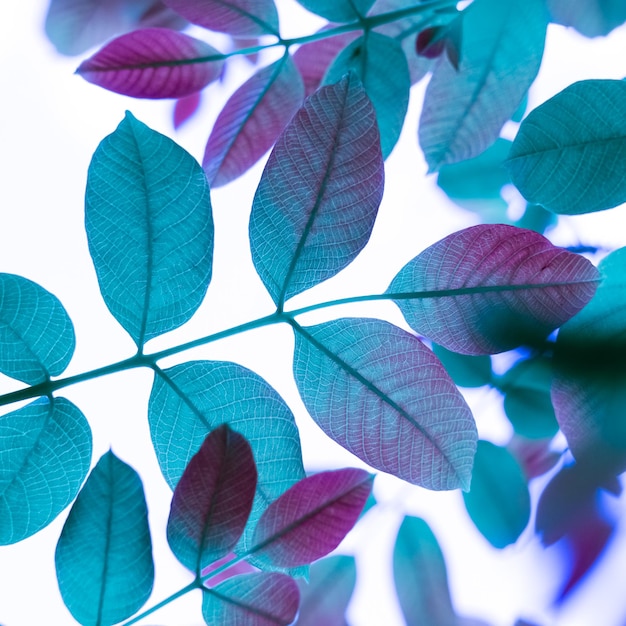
[[190, 400], [150, 229], [252, 120], [45, 451], [568, 152], [153, 63], [381, 393], [381, 66], [104, 554], [185, 108], [534, 455], [591, 18], [338, 10], [419, 572], [212, 500], [464, 110], [315, 206], [36, 334], [264, 599], [499, 501], [490, 288], [311, 518], [465, 370]]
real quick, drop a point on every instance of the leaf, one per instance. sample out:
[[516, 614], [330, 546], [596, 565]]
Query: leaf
[[534, 455], [185, 108], [568, 151], [190, 400], [492, 287], [338, 10], [149, 228], [251, 121], [499, 501], [311, 518], [465, 370], [317, 201], [36, 333], [464, 110], [381, 393], [264, 599], [153, 63], [212, 500], [591, 18], [104, 554], [419, 572], [381, 66], [45, 451]]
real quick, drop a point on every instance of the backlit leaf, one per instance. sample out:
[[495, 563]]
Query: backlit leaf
[[36, 334], [185, 108], [464, 369], [592, 18], [150, 229], [104, 554], [490, 288], [45, 451], [391, 401], [534, 455], [338, 10], [315, 206]]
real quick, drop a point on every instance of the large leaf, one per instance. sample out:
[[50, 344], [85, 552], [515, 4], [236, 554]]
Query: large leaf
[[315, 206], [150, 229], [212, 500], [382, 394], [251, 121], [338, 10], [45, 451], [568, 152], [592, 18], [36, 334], [490, 288], [190, 400], [381, 66], [153, 63], [104, 554], [464, 110]]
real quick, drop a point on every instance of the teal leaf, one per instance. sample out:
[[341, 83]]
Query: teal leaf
[[568, 153], [499, 501], [391, 402], [338, 10], [466, 370], [104, 554], [315, 206], [592, 18], [381, 66], [465, 110], [149, 228], [45, 451], [36, 334]]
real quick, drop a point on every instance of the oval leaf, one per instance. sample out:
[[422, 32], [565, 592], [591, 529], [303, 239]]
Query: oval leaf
[[104, 554], [315, 206], [391, 401], [212, 500], [150, 229], [45, 451], [36, 333], [592, 18], [338, 10], [490, 288]]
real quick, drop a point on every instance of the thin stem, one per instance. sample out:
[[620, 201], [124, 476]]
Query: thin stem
[[196, 584]]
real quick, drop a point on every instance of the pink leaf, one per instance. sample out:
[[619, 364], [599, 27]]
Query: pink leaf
[[153, 63], [239, 567], [311, 518], [185, 108], [534, 455]]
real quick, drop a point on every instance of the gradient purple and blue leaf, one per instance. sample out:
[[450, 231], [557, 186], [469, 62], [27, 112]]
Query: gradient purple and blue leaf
[[338, 10], [592, 18]]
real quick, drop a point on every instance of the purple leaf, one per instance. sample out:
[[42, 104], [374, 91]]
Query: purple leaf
[[492, 287], [213, 499], [185, 108], [238, 567], [533, 455], [311, 518], [251, 121], [153, 63]]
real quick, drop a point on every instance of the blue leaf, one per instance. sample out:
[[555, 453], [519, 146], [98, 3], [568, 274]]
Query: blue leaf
[[591, 18], [338, 10]]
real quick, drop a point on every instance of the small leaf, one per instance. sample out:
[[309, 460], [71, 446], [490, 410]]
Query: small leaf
[[315, 206], [592, 18], [153, 63], [391, 401], [150, 229], [490, 288], [534, 455], [338, 10], [311, 518], [568, 151], [104, 555], [36, 334], [498, 502], [185, 108], [465, 370], [45, 451]]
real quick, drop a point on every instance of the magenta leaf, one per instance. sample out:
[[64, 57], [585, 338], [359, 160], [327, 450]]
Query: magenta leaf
[[492, 287], [238, 567], [153, 63], [311, 518], [212, 500], [391, 401], [185, 108], [263, 599], [251, 121]]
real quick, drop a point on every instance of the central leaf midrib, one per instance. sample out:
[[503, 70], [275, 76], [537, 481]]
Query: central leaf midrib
[[107, 543]]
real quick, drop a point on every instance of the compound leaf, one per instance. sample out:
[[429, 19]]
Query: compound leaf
[[338, 10]]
